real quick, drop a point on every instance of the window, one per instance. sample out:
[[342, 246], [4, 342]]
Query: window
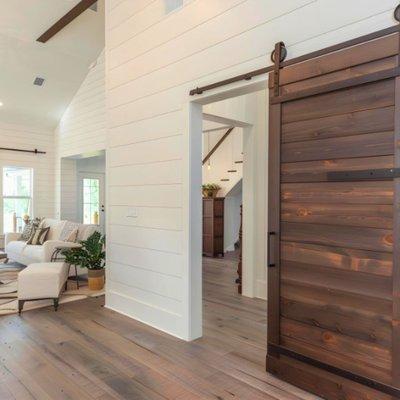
[[17, 197], [171, 5], [91, 200]]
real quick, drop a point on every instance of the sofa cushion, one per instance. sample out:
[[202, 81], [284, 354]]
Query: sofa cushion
[[33, 252], [85, 231], [68, 229], [56, 227], [16, 247]]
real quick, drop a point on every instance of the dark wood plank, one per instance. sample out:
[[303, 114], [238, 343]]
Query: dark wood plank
[[357, 123], [368, 192], [341, 236], [366, 285], [353, 56], [367, 215], [351, 323], [336, 342], [356, 81], [367, 145], [365, 97], [369, 262], [353, 302], [341, 75], [323, 383], [336, 359], [317, 171]]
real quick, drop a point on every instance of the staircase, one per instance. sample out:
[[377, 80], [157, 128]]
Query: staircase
[[223, 158]]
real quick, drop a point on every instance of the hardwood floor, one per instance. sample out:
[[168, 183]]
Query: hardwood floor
[[86, 352]]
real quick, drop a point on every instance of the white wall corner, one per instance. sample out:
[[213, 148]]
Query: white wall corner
[[192, 208]]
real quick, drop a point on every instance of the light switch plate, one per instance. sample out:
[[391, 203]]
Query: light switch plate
[[132, 213]]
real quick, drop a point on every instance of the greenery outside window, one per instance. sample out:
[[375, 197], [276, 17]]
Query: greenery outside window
[[17, 197]]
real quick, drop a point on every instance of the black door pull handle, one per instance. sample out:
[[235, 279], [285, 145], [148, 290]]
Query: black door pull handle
[[271, 255]]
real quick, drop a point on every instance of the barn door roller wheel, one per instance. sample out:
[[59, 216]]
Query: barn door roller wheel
[[283, 53], [397, 13]]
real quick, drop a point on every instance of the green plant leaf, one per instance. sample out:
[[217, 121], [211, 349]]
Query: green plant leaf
[[91, 255]]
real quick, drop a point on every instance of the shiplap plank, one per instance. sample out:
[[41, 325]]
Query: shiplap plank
[[146, 196], [163, 285], [149, 259], [162, 240], [147, 217]]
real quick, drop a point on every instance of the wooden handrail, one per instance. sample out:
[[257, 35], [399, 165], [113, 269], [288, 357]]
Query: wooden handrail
[[220, 141]]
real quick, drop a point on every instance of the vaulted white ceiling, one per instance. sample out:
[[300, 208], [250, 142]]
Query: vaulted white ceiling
[[63, 61]]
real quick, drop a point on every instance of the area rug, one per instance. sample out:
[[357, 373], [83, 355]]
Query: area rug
[[9, 291]]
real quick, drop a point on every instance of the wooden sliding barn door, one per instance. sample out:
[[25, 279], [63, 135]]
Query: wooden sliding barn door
[[334, 200]]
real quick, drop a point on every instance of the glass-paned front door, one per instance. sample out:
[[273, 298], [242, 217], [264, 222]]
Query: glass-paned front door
[[91, 201]]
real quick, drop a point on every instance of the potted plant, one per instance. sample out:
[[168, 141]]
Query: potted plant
[[210, 189], [91, 256]]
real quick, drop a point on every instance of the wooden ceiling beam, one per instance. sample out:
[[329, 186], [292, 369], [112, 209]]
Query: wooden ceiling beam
[[82, 6]]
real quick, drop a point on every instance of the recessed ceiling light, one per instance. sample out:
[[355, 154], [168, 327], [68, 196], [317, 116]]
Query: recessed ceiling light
[[1, 103]]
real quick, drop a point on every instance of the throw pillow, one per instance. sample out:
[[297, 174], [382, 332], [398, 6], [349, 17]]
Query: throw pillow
[[27, 232], [29, 228], [38, 237], [67, 230], [72, 236]]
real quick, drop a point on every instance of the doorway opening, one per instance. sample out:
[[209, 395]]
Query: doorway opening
[[82, 191], [231, 229]]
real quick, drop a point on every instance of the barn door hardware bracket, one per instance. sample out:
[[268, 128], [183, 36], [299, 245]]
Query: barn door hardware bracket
[[371, 383], [364, 175]]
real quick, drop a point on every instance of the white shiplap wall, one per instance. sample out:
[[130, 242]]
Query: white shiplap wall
[[81, 131], [68, 190], [152, 62], [82, 127], [28, 138]]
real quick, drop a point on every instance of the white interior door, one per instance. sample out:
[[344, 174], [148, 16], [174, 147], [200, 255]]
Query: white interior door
[[92, 199]]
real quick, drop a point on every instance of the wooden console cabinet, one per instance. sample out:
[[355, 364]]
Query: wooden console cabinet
[[213, 226]]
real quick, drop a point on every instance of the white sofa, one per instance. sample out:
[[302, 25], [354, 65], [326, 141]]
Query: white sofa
[[26, 254]]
